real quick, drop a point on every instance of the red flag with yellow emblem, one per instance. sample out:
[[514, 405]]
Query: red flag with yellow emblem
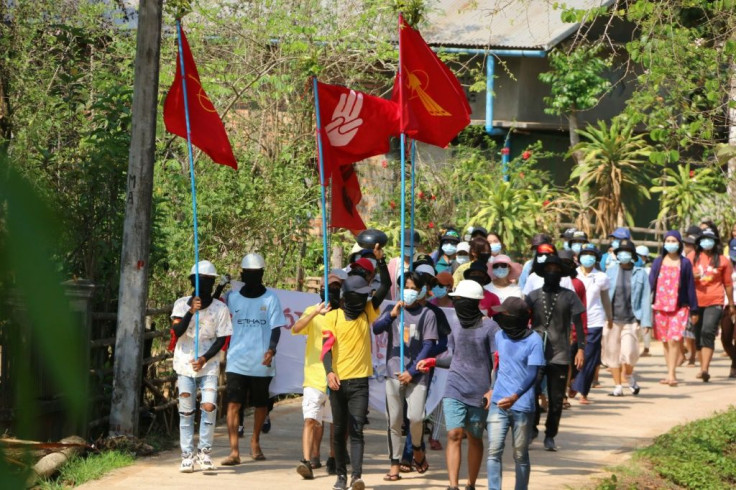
[[434, 106], [207, 131]]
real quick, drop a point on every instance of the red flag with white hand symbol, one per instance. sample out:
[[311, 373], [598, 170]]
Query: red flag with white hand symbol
[[355, 125]]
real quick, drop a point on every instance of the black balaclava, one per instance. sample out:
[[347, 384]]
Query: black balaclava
[[206, 286], [479, 277], [483, 257], [353, 304], [253, 279], [515, 327], [334, 290], [467, 311], [552, 281]]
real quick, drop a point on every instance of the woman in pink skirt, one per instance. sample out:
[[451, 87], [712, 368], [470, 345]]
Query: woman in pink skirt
[[673, 285]]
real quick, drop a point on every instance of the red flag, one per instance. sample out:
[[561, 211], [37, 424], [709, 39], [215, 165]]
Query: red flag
[[435, 108], [355, 125], [345, 198], [207, 131]]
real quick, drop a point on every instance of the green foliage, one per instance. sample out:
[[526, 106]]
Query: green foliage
[[79, 470], [683, 193], [699, 455], [614, 165], [575, 80]]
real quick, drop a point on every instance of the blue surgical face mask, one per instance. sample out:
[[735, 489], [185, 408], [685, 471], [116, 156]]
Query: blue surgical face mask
[[615, 244], [576, 248], [439, 292], [422, 293], [566, 245], [587, 260], [462, 259], [408, 252], [410, 296], [496, 248], [707, 243], [500, 272], [449, 248], [624, 257], [672, 248]]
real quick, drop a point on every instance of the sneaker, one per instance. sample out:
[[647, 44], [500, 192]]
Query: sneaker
[[341, 483], [617, 391], [304, 468], [634, 388], [204, 460], [549, 444], [356, 483], [266, 425], [331, 466], [187, 464], [241, 431], [315, 463]]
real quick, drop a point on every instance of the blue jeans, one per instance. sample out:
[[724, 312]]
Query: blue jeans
[[499, 421], [187, 407]]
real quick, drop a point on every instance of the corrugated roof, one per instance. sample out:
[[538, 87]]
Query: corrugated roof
[[513, 24]]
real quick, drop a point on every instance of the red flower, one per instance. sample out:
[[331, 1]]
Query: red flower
[[505, 150], [392, 204], [546, 203], [526, 155], [420, 195], [431, 225], [521, 175], [384, 164], [433, 197], [692, 174]]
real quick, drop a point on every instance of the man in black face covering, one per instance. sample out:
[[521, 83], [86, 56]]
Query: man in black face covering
[[348, 363], [554, 310], [200, 369], [520, 354], [257, 318]]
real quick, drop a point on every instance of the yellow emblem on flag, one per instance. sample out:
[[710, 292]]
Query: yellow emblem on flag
[[201, 95], [418, 87]]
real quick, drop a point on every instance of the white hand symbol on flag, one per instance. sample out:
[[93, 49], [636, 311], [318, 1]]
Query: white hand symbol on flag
[[345, 121]]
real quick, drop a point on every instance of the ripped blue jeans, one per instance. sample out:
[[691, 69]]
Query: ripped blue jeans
[[187, 407]]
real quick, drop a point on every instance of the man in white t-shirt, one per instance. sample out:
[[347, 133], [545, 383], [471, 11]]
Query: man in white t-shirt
[[599, 314], [257, 319], [200, 368]]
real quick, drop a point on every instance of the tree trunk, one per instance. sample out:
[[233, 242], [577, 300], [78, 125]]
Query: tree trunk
[[337, 258], [137, 226]]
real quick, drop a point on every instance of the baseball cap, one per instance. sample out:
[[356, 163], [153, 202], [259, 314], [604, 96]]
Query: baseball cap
[[424, 269], [512, 306], [445, 278], [468, 289], [626, 245], [590, 248], [463, 247], [621, 233], [691, 235], [478, 230], [579, 235], [642, 251], [334, 278], [568, 233], [540, 238], [423, 259], [356, 284], [364, 264], [451, 236], [338, 273], [546, 248]]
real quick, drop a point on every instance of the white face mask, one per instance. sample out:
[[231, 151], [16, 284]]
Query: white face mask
[[449, 248], [500, 272], [462, 259]]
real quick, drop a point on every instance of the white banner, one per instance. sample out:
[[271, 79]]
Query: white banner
[[290, 353]]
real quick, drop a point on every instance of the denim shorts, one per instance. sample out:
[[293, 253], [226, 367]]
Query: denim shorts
[[459, 415]]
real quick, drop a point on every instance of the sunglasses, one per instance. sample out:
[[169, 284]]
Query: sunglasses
[[500, 266]]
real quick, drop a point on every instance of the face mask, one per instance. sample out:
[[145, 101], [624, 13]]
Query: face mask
[[449, 248], [552, 281], [253, 279], [500, 272], [541, 259], [462, 259], [514, 327], [334, 296], [408, 252], [467, 311], [483, 258], [587, 261], [566, 245], [672, 247], [439, 292], [624, 257], [707, 243], [615, 244], [576, 248], [410, 296], [422, 293], [206, 286], [354, 304], [496, 248]]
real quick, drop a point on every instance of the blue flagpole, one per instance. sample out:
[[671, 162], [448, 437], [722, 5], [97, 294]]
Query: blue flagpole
[[413, 198], [401, 259], [322, 182], [194, 187]]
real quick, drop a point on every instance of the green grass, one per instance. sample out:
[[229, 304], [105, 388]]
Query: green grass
[[79, 470], [698, 455]]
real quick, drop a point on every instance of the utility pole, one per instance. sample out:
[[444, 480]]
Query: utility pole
[[134, 264]]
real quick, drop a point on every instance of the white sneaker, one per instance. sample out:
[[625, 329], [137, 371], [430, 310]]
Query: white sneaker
[[187, 464], [617, 391], [204, 460]]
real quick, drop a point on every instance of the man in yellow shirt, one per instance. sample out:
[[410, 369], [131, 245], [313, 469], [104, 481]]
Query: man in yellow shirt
[[348, 364], [315, 401]]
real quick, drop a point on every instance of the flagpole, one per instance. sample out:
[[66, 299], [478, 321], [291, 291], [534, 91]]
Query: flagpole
[[403, 200], [413, 199], [322, 189], [194, 187]]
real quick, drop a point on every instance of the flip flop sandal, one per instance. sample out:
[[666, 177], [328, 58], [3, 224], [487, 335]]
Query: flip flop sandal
[[584, 401], [390, 477], [664, 381], [566, 404], [421, 466], [258, 457], [405, 467], [230, 461]]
